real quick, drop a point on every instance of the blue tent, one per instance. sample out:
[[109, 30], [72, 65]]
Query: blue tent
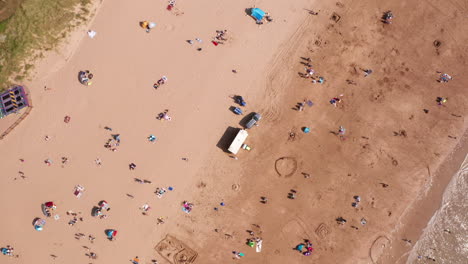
[[257, 13]]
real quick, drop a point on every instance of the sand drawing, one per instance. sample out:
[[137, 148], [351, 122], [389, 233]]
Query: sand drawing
[[286, 166], [322, 230], [175, 251], [378, 247]]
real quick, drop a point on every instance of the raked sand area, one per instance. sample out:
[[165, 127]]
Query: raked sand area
[[390, 141]]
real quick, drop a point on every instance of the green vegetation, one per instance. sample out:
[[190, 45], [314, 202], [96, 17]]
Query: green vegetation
[[8, 8], [3, 25], [35, 26]]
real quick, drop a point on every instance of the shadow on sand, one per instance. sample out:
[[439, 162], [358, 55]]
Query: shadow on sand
[[227, 138]]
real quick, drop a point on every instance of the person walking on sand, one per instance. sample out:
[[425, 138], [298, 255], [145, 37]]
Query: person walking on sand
[[367, 72], [341, 131]]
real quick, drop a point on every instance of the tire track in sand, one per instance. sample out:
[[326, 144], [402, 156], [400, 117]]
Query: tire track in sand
[[277, 77]]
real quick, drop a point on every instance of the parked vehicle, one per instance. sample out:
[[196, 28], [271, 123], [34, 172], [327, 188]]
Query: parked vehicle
[[254, 120], [237, 110]]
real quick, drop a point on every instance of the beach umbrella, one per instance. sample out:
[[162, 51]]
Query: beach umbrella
[[111, 233], [50, 205], [306, 130], [39, 224]]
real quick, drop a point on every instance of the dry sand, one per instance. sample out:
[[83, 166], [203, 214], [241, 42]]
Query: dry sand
[[126, 62]]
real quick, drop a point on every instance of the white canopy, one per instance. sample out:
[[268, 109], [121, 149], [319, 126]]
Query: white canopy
[[238, 141]]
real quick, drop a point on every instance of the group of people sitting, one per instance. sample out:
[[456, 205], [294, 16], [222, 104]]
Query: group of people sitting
[[164, 116], [85, 77], [102, 206], [445, 78], [48, 208], [160, 82], [113, 143], [387, 17], [160, 192], [220, 37], [305, 248], [147, 25], [7, 251], [187, 207], [267, 17]]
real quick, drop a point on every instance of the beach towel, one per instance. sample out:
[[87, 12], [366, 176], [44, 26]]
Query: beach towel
[[259, 246]]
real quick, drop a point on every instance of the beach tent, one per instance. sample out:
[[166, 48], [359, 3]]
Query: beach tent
[[111, 233], [257, 13]]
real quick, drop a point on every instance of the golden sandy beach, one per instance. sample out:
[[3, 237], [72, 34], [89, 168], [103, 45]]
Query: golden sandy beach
[[397, 136]]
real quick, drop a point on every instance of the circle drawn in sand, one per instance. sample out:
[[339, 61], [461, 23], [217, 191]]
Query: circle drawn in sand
[[235, 187], [377, 248], [286, 166]]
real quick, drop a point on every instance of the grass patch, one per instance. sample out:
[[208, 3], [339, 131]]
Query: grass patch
[[3, 25], [37, 25]]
